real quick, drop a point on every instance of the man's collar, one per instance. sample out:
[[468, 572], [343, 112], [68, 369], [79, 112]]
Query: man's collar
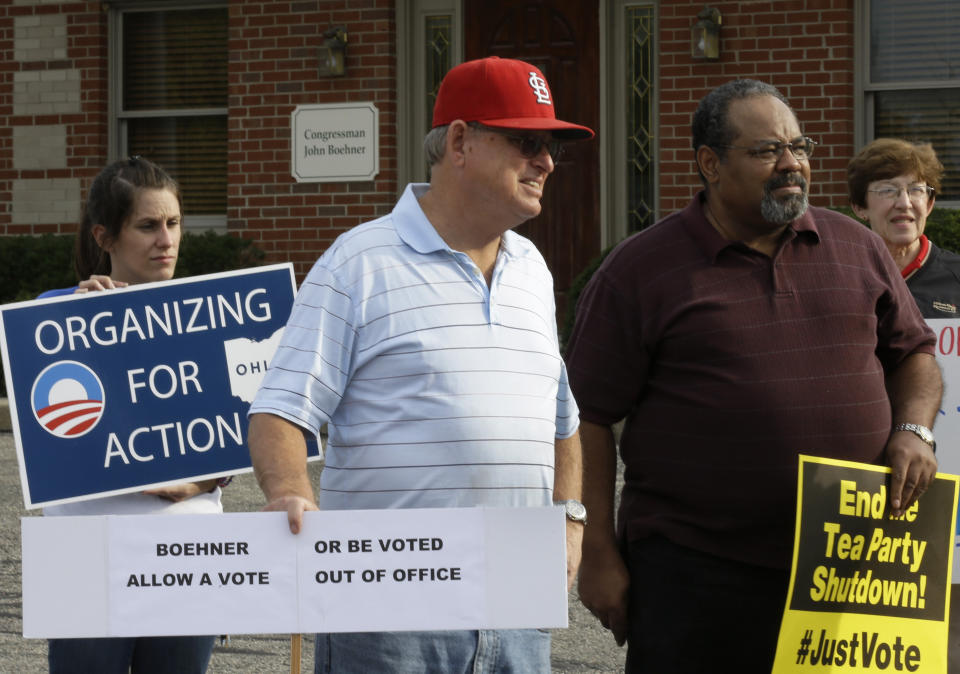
[[806, 223], [414, 228], [712, 242]]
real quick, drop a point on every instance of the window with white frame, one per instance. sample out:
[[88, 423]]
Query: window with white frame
[[168, 65], [912, 79]]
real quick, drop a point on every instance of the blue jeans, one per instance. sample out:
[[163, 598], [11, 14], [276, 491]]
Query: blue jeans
[[138, 655], [484, 652]]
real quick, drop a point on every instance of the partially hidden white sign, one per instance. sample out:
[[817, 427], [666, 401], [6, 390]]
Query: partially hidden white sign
[[245, 573], [947, 425]]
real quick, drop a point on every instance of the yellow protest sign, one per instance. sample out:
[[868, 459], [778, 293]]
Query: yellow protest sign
[[868, 592]]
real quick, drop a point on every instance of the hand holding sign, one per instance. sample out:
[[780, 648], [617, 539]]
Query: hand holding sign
[[98, 404], [361, 570], [868, 586]]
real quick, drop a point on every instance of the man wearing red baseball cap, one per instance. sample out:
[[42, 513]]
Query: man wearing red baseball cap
[[501, 93], [426, 341]]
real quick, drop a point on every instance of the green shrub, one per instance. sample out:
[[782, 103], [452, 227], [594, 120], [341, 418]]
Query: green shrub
[[29, 265], [573, 295], [943, 228], [210, 252]]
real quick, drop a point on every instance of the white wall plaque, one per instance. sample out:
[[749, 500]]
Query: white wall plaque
[[335, 142]]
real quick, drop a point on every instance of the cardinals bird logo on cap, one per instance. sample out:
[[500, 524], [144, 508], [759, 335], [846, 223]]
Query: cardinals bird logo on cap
[[67, 399]]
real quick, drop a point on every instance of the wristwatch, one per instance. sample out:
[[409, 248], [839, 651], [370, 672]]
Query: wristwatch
[[922, 432], [576, 512]]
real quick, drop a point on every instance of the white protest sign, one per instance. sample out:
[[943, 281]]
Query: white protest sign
[[161, 580], [442, 564], [947, 426], [245, 573]]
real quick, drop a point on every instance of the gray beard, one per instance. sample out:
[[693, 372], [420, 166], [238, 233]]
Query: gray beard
[[783, 211]]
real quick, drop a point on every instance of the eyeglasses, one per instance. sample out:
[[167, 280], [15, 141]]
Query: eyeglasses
[[770, 153], [915, 193], [529, 144]]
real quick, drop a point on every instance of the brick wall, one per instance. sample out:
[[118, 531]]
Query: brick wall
[[803, 47], [53, 117], [273, 68], [53, 101], [53, 105]]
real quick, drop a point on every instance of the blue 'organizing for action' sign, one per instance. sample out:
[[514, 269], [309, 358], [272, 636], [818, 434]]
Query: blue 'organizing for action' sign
[[117, 391]]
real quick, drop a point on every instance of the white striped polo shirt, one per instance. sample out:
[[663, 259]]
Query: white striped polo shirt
[[438, 391]]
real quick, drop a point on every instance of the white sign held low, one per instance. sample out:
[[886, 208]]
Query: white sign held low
[[245, 573]]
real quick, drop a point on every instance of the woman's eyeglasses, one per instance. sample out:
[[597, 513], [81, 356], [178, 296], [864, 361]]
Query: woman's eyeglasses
[[915, 193]]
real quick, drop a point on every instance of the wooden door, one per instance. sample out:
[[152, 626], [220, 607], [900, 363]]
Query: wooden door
[[561, 37]]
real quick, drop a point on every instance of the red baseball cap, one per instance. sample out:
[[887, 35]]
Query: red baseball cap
[[505, 93]]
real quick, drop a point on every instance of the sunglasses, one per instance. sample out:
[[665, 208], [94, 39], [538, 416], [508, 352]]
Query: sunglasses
[[529, 144]]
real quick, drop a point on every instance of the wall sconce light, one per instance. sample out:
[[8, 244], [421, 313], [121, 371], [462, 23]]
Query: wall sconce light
[[705, 35], [333, 52]]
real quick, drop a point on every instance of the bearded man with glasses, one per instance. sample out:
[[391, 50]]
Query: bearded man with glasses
[[733, 336], [426, 341]]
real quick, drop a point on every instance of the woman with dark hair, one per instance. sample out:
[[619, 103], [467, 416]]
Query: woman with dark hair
[[130, 233], [893, 185]]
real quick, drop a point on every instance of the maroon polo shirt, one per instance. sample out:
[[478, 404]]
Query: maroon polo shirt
[[727, 364]]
